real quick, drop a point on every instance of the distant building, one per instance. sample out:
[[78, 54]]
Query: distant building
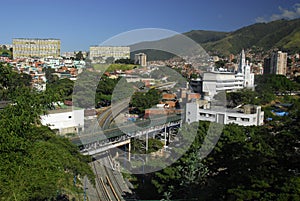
[[99, 54], [69, 55], [36, 47], [140, 59], [201, 110], [267, 65], [276, 63]]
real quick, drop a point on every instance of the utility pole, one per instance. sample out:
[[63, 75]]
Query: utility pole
[[147, 141], [165, 135]]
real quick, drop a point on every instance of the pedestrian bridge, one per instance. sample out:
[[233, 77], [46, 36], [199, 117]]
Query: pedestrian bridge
[[97, 142]]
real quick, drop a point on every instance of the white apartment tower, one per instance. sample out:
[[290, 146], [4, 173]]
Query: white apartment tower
[[140, 59]]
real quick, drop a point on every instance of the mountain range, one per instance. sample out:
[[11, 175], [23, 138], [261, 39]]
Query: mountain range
[[280, 34]]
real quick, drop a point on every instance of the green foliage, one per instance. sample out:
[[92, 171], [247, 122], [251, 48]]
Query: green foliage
[[4, 51], [79, 56], [276, 34], [274, 84], [11, 81], [123, 67], [138, 146], [282, 34], [124, 61], [49, 75], [247, 163], [199, 36], [267, 87], [113, 67], [109, 60], [220, 63], [64, 87], [142, 100], [35, 163]]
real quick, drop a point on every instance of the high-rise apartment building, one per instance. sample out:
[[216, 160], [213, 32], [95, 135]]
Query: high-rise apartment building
[[279, 63], [36, 47], [140, 59], [99, 54], [276, 64]]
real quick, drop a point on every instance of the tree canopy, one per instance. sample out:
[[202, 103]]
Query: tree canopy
[[247, 163], [35, 163]]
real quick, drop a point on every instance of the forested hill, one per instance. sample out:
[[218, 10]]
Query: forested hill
[[282, 34]]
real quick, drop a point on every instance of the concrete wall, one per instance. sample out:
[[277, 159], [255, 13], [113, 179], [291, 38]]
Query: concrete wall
[[65, 122]]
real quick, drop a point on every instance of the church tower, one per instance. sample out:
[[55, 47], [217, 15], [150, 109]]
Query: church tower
[[248, 76], [242, 63]]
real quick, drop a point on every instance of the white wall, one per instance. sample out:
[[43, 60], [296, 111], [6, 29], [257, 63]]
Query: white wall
[[64, 121], [194, 113]]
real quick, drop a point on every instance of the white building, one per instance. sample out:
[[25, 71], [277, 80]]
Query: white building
[[245, 70], [36, 47], [64, 120], [99, 54], [278, 63], [216, 81], [201, 110], [140, 59]]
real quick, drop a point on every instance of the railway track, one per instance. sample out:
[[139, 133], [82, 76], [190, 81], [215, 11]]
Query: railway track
[[103, 195], [106, 182]]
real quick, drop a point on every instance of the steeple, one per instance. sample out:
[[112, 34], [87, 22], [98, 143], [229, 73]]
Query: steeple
[[242, 63]]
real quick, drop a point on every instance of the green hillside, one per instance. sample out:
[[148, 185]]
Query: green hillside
[[282, 34], [199, 36]]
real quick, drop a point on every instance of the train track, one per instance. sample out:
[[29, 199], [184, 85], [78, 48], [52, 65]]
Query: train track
[[113, 179], [103, 195], [106, 182]]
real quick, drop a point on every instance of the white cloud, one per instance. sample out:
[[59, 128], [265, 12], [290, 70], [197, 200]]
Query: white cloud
[[283, 14]]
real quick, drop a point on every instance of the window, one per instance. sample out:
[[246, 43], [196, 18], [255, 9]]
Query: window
[[245, 119], [202, 114], [231, 118]]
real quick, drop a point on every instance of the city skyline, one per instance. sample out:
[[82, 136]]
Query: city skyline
[[80, 25]]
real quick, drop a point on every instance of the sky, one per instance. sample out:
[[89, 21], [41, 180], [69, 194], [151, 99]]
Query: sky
[[80, 24]]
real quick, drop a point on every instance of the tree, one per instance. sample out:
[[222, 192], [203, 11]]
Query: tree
[[35, 163], [109, 60], [10, 81], [79, 56], [247, 163], [142, 100], [124, 61], [49, 75], [63, 87]]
